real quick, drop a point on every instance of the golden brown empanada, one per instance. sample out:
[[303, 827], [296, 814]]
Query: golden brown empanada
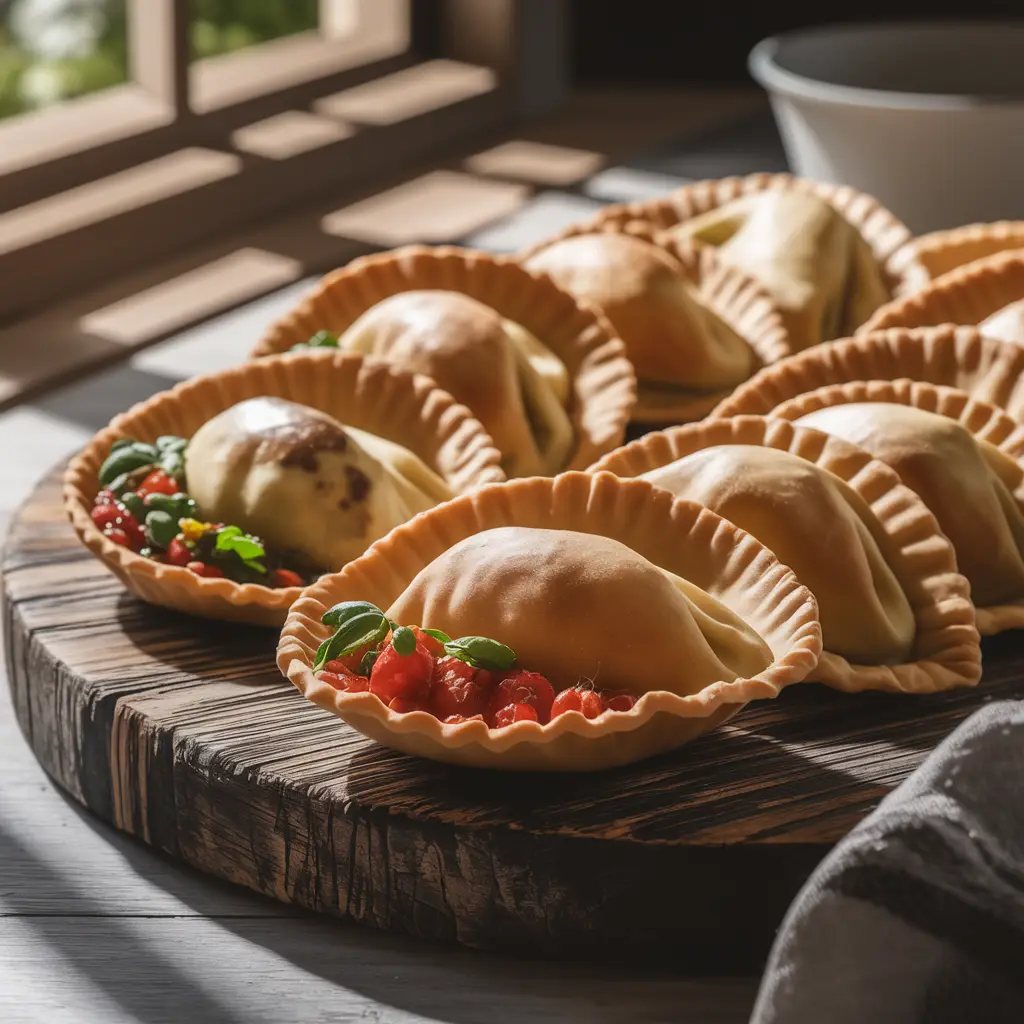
[[303, 482], [557, 598], [814, 263], [561, 570], [670, 336], [517, 387], [895, 614]]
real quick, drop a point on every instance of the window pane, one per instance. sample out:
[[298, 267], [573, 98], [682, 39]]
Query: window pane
[[52, 50], [223, 26]]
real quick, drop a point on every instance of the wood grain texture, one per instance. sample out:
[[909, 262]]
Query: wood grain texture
[[181, 733]]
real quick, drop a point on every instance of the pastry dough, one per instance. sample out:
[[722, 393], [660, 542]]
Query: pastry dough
[[516, 386], [1006, 324], [671, 337], [302, 482], [816, 264], [821, 528], [967, 483], [567, 603]]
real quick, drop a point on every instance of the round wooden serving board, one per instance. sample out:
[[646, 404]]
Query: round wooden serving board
[[183, 733]]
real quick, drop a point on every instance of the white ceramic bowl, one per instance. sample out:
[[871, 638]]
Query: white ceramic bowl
[[928, 117]]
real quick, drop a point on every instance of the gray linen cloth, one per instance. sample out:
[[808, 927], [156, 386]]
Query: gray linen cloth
[[917, 917]]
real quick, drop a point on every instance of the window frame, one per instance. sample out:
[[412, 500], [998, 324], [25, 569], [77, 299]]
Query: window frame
[[89, 139]]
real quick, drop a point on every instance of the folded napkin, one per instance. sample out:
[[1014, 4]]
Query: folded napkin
[[917, 917]]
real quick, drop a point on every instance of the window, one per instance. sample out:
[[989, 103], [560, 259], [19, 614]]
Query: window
[[134, 129], [54, 50]]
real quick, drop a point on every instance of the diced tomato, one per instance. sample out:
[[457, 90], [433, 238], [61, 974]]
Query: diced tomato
[[157, 482], [118, 536], [339, 680], [514, 713], [105, 498], [397, 675], [586, 702], [105, 515], [206, 570], [286, 578], [522, 687], [618, 700], [350, 663], [178, 552], [435, 647], [459, 719], [460, 689]]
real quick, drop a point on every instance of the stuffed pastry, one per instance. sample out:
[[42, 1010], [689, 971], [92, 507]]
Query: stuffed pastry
[[821, 528], [511, 381], [303, 482], [968, 485], [816, 265], [1006, 324], [671, 338], [568, 604]]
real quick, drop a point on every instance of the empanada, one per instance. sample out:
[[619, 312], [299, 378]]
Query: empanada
[[895, 614], [974, 488], [814, 263], [303, 482], [546, 376], [597, 583], [517, 387]]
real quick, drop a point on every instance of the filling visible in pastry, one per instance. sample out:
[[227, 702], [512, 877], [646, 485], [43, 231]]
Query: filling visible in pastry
[[671, 338], [517, 387], [1006, 324], [268, 492], [818, 526], [967, 484], [580, 623], [814, 262]]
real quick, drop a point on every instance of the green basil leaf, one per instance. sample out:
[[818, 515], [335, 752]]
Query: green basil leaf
[[251, 563], [323, 339], [404, 641], [173, 464], [348, 609], [439, 635], [225, 534], [482, 652], [238, 543], [123, 442], [171, 443], [357, 631], [135, 505], [369, 660]]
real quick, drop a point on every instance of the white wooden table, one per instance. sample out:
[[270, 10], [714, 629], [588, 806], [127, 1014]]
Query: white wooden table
[[97, 929]]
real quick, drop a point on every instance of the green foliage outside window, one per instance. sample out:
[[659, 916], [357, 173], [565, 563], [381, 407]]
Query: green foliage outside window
[[52, 50]]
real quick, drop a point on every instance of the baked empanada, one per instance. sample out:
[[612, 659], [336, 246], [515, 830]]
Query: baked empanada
[[516, 386], [304, 482], [821, 528], [597, 587], [557, 598], [814, 263], [968, 484], [671, 337]]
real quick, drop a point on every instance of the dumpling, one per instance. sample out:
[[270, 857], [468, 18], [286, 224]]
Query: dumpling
[[821, 528], [514, 385], [567, 603], [302, 482], [968, 485], [1006, 324], [815, 263], [670, 337]]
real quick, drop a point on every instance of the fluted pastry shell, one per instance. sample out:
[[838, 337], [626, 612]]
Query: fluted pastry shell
[[946, 653], [602, 382], [729, 293], [989, 426], [970, 294], [368, 394], [679, 536], [960, 357], [943, 251]]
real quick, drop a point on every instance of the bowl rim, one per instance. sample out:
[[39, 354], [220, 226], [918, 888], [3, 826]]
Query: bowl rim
[[763, 67]]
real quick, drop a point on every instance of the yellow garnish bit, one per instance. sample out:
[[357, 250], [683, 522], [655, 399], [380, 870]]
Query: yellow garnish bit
[[192, 529]]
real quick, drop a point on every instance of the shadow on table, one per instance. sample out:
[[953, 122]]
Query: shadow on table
[[436, 981]]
